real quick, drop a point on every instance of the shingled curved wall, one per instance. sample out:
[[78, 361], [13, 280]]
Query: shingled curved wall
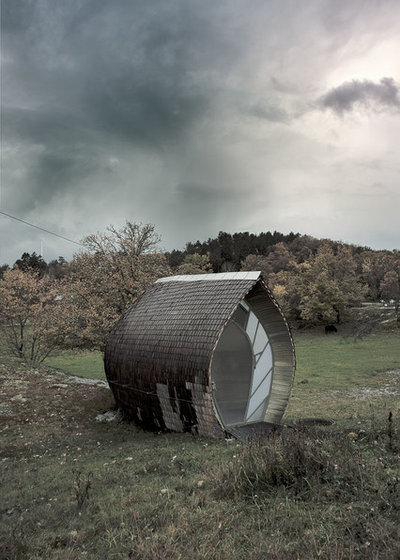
[[158, 358]]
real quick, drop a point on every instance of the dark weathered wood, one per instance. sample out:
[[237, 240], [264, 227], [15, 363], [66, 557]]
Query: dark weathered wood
[[158, 356]]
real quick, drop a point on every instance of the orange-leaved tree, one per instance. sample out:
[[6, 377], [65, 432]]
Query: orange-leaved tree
[[319, 289], [195, 264], [116, 268], [328, 285], [281, 271], [36, 315], [390, 284]]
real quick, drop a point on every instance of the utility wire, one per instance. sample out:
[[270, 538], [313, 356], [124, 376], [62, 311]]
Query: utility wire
[[41, 229], [152, 394]]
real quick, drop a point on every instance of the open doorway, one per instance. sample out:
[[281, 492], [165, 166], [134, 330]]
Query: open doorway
[[231, 374], [242, 369]]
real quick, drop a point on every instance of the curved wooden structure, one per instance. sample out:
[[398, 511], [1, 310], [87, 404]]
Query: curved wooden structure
[[211, 354]]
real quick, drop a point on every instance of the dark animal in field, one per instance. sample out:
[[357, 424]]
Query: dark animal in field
[[330, 329]]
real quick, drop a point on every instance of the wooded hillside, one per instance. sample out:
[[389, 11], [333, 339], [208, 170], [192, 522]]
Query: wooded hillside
[[75, 304]]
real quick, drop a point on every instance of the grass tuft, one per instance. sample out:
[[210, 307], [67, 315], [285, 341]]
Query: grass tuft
[[82, 484]]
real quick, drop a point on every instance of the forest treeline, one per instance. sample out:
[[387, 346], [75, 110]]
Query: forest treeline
[[60, 304], [314, 280], [227, 252]]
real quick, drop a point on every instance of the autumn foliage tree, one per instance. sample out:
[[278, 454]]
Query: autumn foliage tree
[[36, 316], [116, 268], [374, 266], [316, 290], [75, 305], [195, 264], [281, 271], [390, 285], [31, 263], [329, 285]]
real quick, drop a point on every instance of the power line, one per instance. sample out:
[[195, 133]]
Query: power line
[[41, 229]]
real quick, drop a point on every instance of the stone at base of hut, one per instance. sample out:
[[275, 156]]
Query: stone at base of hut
[[109, 416]]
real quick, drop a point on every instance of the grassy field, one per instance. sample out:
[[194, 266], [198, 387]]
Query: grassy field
[[84, 364], [73, 487], [326, 362], [334, 362]]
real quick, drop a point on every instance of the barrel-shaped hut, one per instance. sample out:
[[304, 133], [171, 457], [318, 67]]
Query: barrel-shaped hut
[[211, 354]]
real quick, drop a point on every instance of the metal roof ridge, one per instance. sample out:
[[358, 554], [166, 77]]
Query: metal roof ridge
[[245, 275]]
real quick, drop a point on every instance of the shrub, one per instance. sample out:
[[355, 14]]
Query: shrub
[[294, 459]]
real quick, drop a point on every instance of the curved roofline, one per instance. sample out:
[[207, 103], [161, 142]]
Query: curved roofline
[[250, 275]]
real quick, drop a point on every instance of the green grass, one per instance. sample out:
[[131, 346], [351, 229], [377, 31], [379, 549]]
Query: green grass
[[111, 491], [345, 380], [74, 488], [326, 362], [333, 362], [84, 364]]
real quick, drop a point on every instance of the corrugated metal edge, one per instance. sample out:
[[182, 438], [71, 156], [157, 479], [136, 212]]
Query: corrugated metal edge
[[250, 275], [260, 280], [289, 331], [271, 295]]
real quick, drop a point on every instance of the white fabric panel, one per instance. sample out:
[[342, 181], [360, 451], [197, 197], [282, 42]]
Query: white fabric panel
[[261, 340], [259, 396], [262, 368], [251, 326]]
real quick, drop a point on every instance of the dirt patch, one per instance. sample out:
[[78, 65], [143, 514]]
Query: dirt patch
[[66, 380], [390, 387], [30, 396]]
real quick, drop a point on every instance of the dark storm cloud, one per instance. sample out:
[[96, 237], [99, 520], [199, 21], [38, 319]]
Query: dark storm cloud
[[171, 112], [149, 114], [87, 82], [132, 76], [45, 125], [366, 94], [81, 78], [54, 148]]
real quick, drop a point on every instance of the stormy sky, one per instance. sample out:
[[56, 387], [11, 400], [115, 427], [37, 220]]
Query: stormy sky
[[199, 116]]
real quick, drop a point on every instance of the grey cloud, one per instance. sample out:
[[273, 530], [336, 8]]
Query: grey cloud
[[149, 114], [134, 84], [83, 76], [64, 152], [195, 191], [270, 113], [126, 108], [80, 81], [46, 125], [17, 14], [55, 170], [378, 96], [284, 87]]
